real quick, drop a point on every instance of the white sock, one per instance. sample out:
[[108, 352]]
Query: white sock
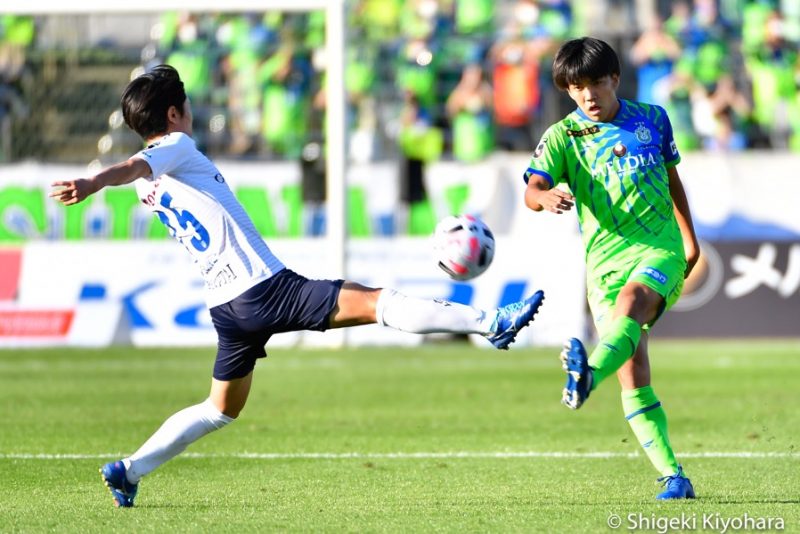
[[427, 316], [178, 432]]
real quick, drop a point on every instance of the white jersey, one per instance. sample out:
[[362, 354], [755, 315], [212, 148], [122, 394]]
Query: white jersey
[[190, 196]]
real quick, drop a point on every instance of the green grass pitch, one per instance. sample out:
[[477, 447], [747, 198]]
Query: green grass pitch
[[441, 438]]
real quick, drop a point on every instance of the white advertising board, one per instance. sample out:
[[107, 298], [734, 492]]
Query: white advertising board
[[160, 293]]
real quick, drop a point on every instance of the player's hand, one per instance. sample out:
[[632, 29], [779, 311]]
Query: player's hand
[[70, 192], [556, 200]]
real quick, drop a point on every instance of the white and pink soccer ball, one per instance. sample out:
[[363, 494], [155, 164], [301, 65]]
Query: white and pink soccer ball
[[463, 246]]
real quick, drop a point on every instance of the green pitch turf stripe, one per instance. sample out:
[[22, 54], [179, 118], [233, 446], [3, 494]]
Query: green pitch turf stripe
[[405, 455]]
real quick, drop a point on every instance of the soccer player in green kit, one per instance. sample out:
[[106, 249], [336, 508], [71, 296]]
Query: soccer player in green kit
[[618, 158]]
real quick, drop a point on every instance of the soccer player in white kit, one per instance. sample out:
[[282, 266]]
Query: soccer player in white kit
[[250, 293]]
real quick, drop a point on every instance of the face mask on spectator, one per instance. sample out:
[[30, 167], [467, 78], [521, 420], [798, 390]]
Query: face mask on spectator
[[512, 54], [427, 9], [775, 28], [319, 60], [526, 14], [187, 33], [474, 104]]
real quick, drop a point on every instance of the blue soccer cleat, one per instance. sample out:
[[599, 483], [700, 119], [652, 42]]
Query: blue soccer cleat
[[514, 317], [579, 374], [123, 491], [677, 487]]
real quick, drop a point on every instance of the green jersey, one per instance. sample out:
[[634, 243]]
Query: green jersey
[[617, 172]]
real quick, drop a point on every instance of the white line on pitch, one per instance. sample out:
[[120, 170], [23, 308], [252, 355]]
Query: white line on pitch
[[403, 455]]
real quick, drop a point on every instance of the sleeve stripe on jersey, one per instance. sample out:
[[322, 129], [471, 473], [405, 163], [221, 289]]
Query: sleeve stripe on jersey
[[543, 174]]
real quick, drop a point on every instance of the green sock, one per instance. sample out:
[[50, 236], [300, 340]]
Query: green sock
[[615, 348], [649, 423]]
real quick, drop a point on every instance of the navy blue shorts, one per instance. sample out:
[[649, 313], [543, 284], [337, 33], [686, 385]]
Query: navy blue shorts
[[286, 302]]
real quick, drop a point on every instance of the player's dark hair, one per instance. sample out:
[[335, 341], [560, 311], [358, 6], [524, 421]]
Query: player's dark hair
[[583, 59], [147, 99]]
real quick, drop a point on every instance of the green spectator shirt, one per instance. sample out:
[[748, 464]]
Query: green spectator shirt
[[617, 172]]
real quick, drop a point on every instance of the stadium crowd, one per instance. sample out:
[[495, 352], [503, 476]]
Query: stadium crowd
[[462, 78], [431, 79]]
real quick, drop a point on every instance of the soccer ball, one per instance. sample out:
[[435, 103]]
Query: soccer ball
[[464, 246]]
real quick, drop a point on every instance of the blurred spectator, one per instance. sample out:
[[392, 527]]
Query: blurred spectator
[[191, 56], [245, 40], [286, 77], [360, 80], [312, 159], [719, 117], [773, 67], [754, 26], [705, 44], [469, 107], [379, 20], [420, 143], [421, 19], [312, 169], [679, 21], [706, 25], [679, 88], [16, 37], [553, 22], [527, 39], [474, 17], [515, 77], [654, 53], [618, 16], [705, 58], [416, 70]]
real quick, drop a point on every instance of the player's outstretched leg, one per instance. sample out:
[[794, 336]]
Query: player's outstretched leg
[[514, 317], [427, 316], [579, 375], [122, 491], [676, 486]]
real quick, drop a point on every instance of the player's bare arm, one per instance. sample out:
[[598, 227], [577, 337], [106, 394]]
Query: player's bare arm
[[70, 192], [684, 218], [540, 196]]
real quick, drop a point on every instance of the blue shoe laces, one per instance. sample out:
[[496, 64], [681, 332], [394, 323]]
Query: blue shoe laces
[[666, 481]]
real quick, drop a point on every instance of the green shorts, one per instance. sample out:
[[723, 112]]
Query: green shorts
[[660, 270]]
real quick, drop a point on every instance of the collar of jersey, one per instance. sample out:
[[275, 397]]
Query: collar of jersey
[[585, 117]]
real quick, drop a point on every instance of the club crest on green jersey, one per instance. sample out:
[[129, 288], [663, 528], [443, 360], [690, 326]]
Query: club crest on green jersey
[[642, 134]]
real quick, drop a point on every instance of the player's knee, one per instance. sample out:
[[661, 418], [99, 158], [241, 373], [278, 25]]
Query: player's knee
[[638, 302], [357, 304], [365, 304], [228, 407], [233, 414], [232, 411]]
